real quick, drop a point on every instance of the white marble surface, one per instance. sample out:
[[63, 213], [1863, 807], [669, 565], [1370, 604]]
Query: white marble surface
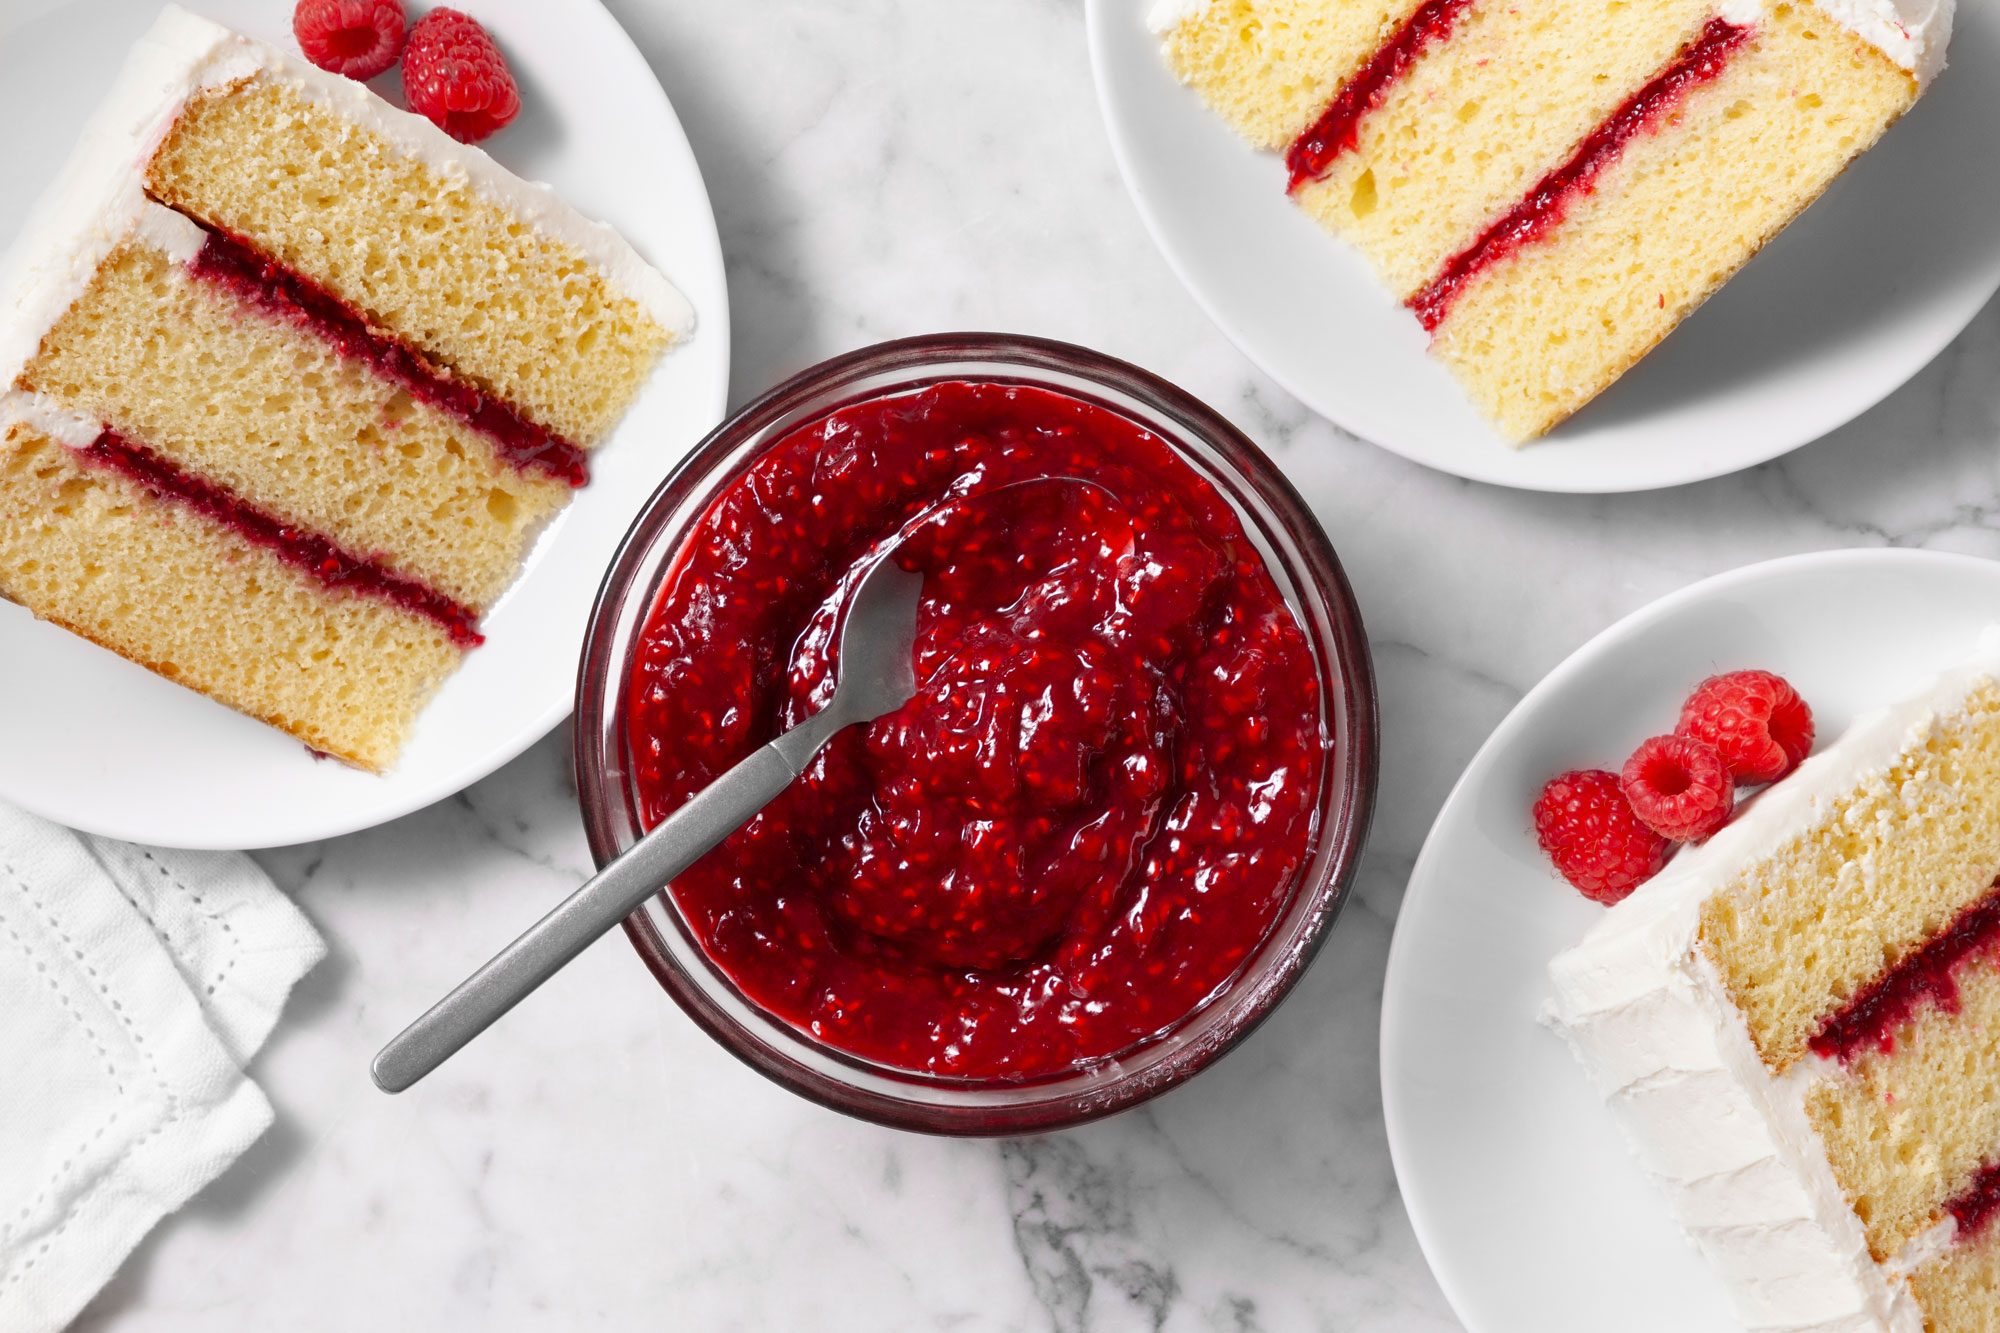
[[882, 169]]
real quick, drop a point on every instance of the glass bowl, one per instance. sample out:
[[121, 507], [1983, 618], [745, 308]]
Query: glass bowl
[[1300, 560]]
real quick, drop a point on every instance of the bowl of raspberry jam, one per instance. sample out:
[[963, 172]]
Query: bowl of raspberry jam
[[1116, 820]]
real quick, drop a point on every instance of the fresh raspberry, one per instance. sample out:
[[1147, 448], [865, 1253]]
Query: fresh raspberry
[[358, 38], [1755, 720], [455, 77], [1589, 830], [1679, 787]]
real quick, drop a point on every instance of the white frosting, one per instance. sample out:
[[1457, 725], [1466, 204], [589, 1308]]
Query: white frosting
[[176, 235], [1740, 11], [1926, 1245], [93, 203], [97, 199], [1913, 33], [1671, 1054], [49, 417]]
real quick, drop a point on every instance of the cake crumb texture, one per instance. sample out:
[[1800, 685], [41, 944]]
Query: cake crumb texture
[[1799, 934], [1960, 1289], [1543, 331], [1907, 1130], [193, 602], [1481, 118], [422, 252], [276, 415], [1269, 67]]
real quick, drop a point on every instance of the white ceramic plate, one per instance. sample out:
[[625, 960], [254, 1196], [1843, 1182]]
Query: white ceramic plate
[[99, 744], [1833, 317], [1533, 1214]]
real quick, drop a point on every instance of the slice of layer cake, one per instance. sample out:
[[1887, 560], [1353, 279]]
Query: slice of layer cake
[[1798, 1025], [1552, 188], [1271, 67], [290, 381]]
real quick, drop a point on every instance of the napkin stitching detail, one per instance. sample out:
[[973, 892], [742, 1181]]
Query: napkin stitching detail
[[201, 905], [103, 991], [175, 1111], [103, 1052], [89, 1193], [146, 915]]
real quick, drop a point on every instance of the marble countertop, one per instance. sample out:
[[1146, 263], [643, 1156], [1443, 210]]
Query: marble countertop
[[881, 169]]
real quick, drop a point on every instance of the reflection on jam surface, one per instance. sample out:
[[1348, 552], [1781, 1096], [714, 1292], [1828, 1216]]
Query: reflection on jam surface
[[1098, 801]]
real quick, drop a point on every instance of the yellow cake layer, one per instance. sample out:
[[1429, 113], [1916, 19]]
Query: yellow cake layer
[[1544, 331], [1908, 1130], [187, 598], [271, 412], [1475, 123], [1960, 1289], [1888, 865], [1270, 67], [426, 255]]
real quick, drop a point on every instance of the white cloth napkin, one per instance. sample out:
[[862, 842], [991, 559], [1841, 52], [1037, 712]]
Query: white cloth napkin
[[134, 984]]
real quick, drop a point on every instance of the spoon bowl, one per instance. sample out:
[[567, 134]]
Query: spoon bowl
[[874, 674], [1284, 535]]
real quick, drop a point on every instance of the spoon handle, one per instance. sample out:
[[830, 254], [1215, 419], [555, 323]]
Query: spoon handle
[[612, 895]]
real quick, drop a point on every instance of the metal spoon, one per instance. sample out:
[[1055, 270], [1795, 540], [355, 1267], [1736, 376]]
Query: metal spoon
[[876, 675]]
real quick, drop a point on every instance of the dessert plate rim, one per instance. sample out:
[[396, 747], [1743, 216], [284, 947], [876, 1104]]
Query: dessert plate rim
[[1593, 1246], [1778, 359], [155, 763]]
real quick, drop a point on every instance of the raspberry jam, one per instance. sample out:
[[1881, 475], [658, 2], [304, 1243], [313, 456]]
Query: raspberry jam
[[1101, 797], [1927, 978], [1542, 210], [1338, 129], [306, 551], [232, 263], [1977, 1205]]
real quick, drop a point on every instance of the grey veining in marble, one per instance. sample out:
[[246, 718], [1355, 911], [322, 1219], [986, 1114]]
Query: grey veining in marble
[[883, 169]]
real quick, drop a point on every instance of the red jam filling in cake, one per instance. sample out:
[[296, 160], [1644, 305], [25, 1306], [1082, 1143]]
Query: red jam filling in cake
[[1338, 128], [234, 264], [307, 551], [1926, 977], [1975, 1208], [1545, 206], [1098, 802]]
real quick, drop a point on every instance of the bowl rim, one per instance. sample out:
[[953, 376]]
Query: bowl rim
[[1340, 839]]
